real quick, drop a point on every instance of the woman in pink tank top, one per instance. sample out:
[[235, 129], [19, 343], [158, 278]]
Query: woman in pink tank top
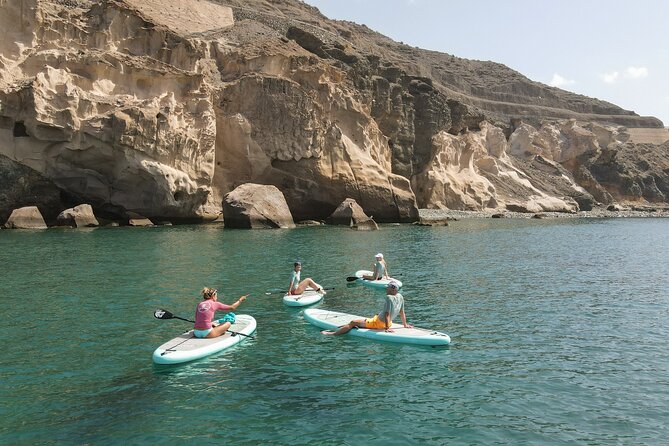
[[204, 314]]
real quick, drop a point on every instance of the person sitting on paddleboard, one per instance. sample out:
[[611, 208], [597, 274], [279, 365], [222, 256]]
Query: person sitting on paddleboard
[[204, 313], [393, 306], [296, 287], [380, 269]]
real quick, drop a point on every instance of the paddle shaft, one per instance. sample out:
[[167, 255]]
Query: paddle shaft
[[354, 278], [229, 331]]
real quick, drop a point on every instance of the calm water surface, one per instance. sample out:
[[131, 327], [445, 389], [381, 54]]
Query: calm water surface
[[559, 332]]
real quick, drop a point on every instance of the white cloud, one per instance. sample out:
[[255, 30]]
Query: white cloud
[[610, 78], [636, 72], [559, 81], [628, 73]]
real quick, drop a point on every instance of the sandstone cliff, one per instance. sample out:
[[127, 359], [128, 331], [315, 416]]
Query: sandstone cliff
[[162, 107]]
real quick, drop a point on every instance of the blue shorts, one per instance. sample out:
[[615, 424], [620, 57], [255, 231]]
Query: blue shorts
[[201, 333]]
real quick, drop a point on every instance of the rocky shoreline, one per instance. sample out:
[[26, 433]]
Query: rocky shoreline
[[428, 215], [154, 111]]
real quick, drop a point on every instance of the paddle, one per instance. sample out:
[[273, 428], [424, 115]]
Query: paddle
[[164, 314], [283, 292]]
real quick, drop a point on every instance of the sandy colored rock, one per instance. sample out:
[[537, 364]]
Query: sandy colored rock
[[28, 217], [185, 16], [348, 213], [81, 216], [255, 206], [135, 219]]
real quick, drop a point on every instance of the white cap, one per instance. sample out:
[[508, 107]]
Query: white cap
[[379, 256], [393, 284]]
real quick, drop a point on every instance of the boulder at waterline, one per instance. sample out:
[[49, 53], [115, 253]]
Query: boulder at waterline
[[135, 219], [256, 206], [28, 217], [81, 216], [348, 213]]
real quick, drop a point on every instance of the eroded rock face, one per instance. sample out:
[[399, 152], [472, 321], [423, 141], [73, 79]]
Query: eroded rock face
[[255, 206], [99, 119], [28, 217], [164, 107], [317, 155], [474, 172], [21, 186]]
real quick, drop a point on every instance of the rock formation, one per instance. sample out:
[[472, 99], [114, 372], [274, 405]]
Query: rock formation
[[81, 216], [163, 107], [28, 217], [255, 206], [348, 213], [135, 219]]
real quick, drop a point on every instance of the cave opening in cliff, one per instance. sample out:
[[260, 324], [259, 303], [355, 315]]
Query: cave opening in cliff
[[20, 130]]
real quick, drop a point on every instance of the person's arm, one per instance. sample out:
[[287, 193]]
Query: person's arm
[[385, 264], [239, 301], [386, 313], [386, 319], [404, 319]]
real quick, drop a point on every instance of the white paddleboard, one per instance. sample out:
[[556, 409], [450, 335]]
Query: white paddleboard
[[187, 347], [332, 320], [309, 297], [381, 283]]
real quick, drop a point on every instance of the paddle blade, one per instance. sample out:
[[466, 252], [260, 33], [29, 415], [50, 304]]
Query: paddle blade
[[351, 279], [162, 314]]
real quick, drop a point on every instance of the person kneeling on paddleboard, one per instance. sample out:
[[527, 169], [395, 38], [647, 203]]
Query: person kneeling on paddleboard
[[296, 287], [204, 313], [393, 306], [380, 269]]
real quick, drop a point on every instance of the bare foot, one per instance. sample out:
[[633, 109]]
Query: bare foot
[[327, 332]]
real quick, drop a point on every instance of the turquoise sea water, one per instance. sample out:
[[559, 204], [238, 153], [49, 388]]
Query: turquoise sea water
[[559, 332]]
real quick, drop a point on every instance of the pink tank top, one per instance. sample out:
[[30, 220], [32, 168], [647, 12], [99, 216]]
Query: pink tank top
[[204, 313]]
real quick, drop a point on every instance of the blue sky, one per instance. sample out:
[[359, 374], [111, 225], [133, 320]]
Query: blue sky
[[613, 50]]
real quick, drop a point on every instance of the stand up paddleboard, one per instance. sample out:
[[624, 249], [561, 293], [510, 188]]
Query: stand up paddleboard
[[332, 320], [187, 347], [381, 283], [309, 297]]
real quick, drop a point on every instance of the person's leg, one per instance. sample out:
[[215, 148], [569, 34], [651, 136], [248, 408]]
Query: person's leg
[[346, 328], [315, 286], [307, 283], [219, 330], [301, 287]]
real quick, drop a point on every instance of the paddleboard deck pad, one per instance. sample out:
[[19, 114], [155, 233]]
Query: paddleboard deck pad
[[381, 283], [187, 347], [331, 320], [309, 297]]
